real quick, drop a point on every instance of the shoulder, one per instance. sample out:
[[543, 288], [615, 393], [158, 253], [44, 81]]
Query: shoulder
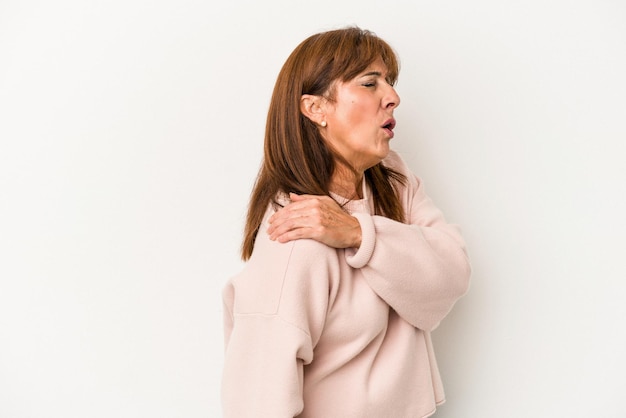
[[304, 253], [277, 271]]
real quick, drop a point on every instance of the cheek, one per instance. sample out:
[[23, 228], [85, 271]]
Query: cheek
[[357, 113]]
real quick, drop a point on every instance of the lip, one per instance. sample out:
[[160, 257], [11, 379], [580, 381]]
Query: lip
[[388, 126]]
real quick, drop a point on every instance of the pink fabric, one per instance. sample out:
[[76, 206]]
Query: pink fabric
[[313, 331]]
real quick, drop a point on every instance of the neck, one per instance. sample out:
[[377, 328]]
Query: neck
[[347, 183]]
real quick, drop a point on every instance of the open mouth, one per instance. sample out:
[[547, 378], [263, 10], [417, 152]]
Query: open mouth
[[389, 125]]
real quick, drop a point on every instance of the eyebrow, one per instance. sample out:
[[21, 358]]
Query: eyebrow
[[376, 73]]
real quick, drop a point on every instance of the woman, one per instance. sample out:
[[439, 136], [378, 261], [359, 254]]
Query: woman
[[350, 265]]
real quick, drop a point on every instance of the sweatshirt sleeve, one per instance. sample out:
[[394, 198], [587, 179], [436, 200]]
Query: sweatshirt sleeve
[[274, 314], [420, 268]]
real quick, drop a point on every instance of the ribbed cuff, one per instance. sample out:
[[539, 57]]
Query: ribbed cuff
[[358, 258]]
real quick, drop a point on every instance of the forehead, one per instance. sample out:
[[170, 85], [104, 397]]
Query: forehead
[[376, 68]]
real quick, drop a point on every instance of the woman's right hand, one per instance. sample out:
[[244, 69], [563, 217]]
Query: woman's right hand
[[315, 217]]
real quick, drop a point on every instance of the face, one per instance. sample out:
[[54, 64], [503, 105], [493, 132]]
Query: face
[[359, 121]]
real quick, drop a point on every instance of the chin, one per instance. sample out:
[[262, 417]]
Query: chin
[[384, 152]]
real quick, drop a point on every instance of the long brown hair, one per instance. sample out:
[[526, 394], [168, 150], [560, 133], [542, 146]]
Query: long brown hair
[[296, 157]]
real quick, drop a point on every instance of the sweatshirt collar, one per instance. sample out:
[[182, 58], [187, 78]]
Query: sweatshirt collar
[[358, 205]]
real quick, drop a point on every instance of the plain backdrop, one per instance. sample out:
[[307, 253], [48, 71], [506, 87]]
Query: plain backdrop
[[131, 133]]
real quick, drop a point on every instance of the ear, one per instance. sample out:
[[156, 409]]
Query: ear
[[312, 107]]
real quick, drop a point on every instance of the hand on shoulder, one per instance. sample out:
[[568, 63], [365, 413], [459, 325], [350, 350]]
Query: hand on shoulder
[[315, 217]]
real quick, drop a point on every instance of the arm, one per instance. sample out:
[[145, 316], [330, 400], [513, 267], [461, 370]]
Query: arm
[[263, 368], [421, 268], [273, 317]]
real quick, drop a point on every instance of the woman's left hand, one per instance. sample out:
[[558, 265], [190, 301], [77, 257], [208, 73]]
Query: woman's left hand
[[315, 217]]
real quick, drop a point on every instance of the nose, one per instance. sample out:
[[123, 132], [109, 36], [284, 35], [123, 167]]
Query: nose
[[391, 99]]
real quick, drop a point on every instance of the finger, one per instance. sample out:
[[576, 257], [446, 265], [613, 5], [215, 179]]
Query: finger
[[289, 225], [302, 197], [291, 211], [297, 216], [291, 235], [309, 206], [298, 197], [293, 205]]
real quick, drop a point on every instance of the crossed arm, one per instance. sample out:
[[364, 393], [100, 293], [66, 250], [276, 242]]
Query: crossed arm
[[420, 268]]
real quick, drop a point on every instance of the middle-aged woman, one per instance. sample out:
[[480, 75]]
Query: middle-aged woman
[[350, 264]]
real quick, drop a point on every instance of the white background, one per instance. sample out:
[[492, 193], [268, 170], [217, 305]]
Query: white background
[[131, 132]]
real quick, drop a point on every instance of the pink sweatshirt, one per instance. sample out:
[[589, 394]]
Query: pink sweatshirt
[[314, 331]]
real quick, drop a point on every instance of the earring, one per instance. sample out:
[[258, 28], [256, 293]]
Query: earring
[[323, 124]]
